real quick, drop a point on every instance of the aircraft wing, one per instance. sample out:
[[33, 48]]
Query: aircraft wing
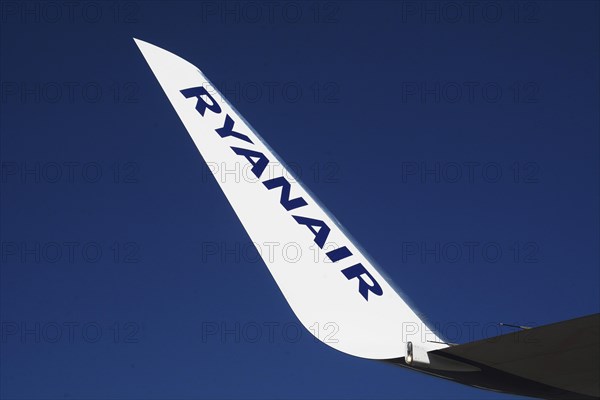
[[556, 361], [328, 279]]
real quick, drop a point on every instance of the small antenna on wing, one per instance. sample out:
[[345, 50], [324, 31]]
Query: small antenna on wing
[[514, 326]]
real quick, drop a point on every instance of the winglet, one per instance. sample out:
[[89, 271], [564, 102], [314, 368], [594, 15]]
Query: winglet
[[329, 282]]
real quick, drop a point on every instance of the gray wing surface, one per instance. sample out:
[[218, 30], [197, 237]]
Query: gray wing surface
[[556, 361]]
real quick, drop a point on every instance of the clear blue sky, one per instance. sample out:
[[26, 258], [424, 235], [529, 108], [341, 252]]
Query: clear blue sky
[[458, 145]]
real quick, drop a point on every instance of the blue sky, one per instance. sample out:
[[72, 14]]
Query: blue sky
[[458, 145]]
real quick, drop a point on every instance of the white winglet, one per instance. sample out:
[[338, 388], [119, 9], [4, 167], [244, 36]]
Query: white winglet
[[332, 287]]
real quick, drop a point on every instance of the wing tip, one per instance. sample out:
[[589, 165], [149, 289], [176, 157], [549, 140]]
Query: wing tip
[[141, 43]]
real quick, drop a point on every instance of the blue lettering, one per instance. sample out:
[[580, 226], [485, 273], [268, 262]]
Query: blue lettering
[[227, 130], [339, 254], [202, 105], [259, 163], [259, 166], [285, 193], [357, 271], [320, 235]]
